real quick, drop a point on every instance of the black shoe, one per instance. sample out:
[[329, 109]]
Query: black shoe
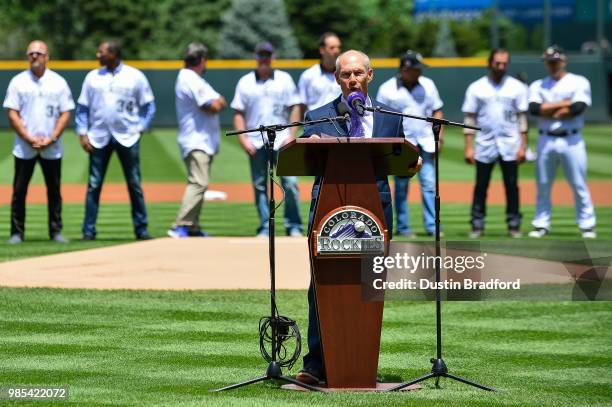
[[309, 376], [144, 236], [88, 238]]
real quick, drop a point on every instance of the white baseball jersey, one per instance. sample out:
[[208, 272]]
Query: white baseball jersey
[[422, 100], [39, 102], [317, 87], [114, 100], [496, 106], [198, 130], [576, 88], [266, 102]]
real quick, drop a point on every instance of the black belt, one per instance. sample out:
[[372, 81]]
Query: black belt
[[561, 133]]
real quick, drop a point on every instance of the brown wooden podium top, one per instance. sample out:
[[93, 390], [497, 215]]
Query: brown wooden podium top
[[308, 156]]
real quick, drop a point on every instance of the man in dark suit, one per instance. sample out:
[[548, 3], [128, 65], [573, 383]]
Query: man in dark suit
[[353, 73]]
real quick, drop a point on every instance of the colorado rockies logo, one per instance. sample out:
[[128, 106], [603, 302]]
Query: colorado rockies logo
[[350, 230]]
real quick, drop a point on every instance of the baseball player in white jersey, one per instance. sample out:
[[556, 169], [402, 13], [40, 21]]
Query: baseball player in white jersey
[[38, 102], [317, 84], [559, 101], [497, 103], [115, 106], [197, 111], [412, 93], [268, 96]]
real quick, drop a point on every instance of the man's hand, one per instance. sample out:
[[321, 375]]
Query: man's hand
[[41, 143], [246, 145], [469, 155], [85, 143], [562, 113], [520, 154]]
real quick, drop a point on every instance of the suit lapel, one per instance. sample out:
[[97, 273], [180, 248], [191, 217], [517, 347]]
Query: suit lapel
[[378, 126]]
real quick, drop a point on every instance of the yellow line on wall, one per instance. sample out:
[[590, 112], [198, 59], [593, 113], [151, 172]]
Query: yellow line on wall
[[242, 64]]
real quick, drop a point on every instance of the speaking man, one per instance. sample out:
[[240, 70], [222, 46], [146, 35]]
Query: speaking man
[[353, 73]]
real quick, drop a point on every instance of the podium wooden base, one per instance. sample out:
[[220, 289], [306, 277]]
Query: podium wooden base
[[379, 387]]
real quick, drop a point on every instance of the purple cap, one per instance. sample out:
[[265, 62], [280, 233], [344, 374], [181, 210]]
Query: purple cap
[[264, 47]]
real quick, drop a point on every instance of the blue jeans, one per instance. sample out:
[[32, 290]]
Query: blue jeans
[[428, 195], [98, 163], [259, 177]]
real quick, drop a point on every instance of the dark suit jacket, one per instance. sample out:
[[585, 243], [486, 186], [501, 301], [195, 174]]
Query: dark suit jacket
[[384, 126]]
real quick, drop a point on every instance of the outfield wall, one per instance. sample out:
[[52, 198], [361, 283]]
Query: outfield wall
[[452, 76]]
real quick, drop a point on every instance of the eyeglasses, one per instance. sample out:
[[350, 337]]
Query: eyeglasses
[[36, 54], [264, 55]]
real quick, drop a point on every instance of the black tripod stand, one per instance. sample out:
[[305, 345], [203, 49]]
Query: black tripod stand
[[279, 325], [438, 368]]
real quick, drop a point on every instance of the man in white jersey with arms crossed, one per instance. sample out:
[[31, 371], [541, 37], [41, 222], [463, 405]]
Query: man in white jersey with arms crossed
[[497, 103], [115, 107], [317, 84], [268, 96], [559, 101], [197, 111], [38, 102]]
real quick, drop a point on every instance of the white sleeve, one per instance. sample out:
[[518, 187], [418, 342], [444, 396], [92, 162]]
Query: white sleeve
[[381, 95], [303, 84], [66, 102], [583, 92], [292, 97], [436, 102], [534, 93], [145, 93], [84, 96], [238, 103], [470, 103], [203, 93], [11, 100]]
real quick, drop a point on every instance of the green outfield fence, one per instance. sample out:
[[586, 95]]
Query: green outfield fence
[[452, 76]]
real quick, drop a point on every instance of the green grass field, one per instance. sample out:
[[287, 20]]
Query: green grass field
[[171, 348]]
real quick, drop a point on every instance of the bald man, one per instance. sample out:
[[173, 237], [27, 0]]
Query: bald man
[[38, 102], [353, 73]]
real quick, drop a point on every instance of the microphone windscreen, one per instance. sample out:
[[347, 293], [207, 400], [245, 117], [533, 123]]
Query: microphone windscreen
[[343, 109]]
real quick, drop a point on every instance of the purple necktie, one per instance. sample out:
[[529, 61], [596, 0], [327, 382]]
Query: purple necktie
[[356, 129]]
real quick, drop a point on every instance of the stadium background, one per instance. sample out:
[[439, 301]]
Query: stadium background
[[169, 348]]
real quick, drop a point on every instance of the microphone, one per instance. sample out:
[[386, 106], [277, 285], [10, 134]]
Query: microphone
[[344, 111], [357, 102]]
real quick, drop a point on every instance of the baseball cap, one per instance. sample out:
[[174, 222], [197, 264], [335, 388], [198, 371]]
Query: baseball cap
[[554, 53], [412, 59], [264, 46]]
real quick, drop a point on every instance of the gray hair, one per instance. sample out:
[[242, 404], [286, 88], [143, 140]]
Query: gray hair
[[196, 51], [366, 59]]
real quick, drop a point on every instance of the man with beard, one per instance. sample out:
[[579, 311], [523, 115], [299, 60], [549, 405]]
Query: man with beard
[[497, 103]]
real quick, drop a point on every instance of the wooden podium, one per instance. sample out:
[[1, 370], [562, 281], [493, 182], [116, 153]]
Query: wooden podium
[[348, 228]]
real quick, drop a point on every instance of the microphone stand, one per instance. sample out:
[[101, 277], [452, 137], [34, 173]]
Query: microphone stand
[[277, 323], [439, 368]]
